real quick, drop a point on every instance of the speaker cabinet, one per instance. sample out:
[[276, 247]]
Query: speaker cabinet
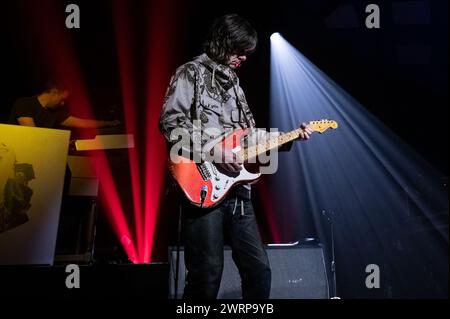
[[298, 272]]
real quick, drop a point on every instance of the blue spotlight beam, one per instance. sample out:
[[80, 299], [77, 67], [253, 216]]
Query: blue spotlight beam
[[383, 194]]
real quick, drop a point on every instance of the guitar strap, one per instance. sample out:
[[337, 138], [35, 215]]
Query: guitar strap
[[245, 110]]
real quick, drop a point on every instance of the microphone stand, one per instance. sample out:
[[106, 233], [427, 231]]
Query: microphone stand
[[172, 190], [329, 218], [177, 267], [203, 192]]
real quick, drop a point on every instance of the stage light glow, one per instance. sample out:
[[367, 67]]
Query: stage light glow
[[128, 87], [61, 62], [158, 70], [275, 37], [389, 206]]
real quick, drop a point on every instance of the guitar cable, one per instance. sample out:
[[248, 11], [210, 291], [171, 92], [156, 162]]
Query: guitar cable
[[203, 192]]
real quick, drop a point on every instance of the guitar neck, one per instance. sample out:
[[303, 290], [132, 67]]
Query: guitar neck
[[275, 142]]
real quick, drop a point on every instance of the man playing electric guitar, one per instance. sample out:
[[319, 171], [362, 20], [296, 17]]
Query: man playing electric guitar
[[205, 94]]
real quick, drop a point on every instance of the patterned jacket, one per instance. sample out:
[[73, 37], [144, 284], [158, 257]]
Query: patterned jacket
[[204, 95]]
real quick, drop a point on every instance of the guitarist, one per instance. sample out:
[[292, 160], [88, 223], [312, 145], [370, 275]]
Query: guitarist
[[204, 94]]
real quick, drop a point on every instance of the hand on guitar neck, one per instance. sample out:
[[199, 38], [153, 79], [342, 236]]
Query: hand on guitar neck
[[305, 132]]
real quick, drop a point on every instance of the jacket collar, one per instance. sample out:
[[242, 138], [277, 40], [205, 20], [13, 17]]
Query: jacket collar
[[221, 73]]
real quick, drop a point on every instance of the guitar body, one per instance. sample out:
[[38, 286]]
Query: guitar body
[[193, 177]]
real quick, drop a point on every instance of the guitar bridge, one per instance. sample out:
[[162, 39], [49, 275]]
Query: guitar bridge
[[204, 172]]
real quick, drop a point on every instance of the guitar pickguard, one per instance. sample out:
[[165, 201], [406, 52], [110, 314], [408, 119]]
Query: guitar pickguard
[[222, 181]]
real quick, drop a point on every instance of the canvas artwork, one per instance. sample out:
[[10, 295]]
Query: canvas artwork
[[32, 168]]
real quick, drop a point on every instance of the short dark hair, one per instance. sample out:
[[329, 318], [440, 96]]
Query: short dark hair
[[228, 35], [53, 84]]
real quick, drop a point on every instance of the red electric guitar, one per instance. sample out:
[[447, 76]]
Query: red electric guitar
[[206, 184]]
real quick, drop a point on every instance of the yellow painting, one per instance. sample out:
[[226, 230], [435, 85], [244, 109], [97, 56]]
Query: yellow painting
[[32, 168]]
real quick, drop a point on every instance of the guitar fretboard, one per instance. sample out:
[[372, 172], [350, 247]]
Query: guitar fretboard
[[254, 151]]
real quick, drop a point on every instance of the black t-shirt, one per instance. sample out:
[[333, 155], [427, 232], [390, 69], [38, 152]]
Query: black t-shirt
[[30, 107]]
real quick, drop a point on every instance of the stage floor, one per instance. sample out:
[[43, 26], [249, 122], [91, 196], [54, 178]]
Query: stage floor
[[96, 281]]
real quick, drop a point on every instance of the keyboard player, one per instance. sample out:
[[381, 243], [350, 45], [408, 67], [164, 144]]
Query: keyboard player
[[47, 110]]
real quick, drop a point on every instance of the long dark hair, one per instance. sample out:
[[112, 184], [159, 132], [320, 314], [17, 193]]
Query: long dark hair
[[228, 35]]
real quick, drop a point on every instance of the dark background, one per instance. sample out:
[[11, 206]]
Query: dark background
[[398, 72]]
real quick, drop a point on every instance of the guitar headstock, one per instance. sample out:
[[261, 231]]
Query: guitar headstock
[[323, 125]]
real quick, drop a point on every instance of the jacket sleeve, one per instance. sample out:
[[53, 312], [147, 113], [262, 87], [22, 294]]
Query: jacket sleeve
[[176, 111], [258, 135], [179, 104]]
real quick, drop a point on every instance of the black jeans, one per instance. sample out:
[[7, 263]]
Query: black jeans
[[204, 233]]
